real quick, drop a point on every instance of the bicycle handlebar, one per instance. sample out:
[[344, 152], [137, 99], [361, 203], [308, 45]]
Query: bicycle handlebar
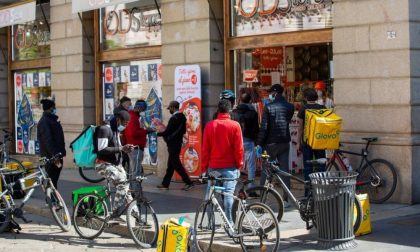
[[46, 160]]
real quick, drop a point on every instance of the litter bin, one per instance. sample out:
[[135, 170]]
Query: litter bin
[[333, 194]]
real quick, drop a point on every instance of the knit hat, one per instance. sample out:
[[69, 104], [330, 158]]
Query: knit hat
[[141, 104], [320, 85]]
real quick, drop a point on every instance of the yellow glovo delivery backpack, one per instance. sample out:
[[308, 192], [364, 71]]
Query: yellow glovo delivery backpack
[[322, 129], [173, 236]]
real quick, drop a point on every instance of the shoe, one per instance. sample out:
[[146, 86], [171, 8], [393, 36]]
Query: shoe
[[253, 195], [187, 187], [141, 222], [286, 204], [162, 187]]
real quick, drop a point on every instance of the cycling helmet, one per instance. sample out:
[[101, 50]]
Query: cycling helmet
[[227, 94]]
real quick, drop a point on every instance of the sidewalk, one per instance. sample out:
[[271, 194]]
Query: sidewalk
[[395, 226]]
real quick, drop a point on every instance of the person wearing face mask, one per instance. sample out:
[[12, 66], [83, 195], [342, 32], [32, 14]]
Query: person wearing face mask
[[136, 134], [274, 133], [109, 156], [321, 91], [125, 104], [51, 139], [173, 135]]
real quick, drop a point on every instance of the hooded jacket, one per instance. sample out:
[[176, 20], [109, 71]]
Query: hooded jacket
[[50, 136], [247, 117]]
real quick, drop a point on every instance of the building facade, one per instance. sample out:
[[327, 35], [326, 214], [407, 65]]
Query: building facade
[[365, 51]]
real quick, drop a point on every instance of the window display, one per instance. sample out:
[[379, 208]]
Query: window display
[[31, 86], [136, 24], [136, 80]]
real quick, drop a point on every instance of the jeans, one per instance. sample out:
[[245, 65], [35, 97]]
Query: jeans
[[229, 186], [309, 154], [249, 159], [136, 169], [280, 153]]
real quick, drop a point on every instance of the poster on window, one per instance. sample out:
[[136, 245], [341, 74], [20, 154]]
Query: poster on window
[[136, 80], [30, 88], [188, 94]]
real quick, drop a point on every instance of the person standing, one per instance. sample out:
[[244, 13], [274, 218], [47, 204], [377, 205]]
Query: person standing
[[323, 99], [247, 117], [51, 139], [311, 97], [173, 135], [223, 151], [274, 134], [125, 105]]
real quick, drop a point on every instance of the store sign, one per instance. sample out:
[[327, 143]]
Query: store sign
[[18, 14], [188, 94], [30, 35], [87, 5], [134, 20], [249, 8], [250, 76]]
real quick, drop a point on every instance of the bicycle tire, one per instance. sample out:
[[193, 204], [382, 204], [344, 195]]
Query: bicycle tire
[[92, 207], [248, 227], [96, 179], [142, 225], [359, 214], [276, 204], [5, 214], [200, 232], [387, 179], [56, 204]]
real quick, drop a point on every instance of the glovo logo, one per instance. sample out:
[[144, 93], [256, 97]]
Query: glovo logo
[[179, 239], [366, 215], [325, 136]]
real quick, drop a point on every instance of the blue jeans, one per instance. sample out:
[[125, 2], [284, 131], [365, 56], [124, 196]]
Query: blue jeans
[[249, 159], [309, 154], [229, 186]]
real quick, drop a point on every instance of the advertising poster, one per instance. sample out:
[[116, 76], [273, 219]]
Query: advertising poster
[[188, 94]]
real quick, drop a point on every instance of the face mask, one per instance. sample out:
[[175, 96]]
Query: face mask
[[54, 111], [142, 114], [319, 93], [130, 108], [271, 97], [121, 128]]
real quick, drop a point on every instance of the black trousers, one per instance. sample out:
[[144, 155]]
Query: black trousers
[[174, 164], [54, 173]]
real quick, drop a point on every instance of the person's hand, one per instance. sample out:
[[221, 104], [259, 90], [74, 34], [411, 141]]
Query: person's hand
[[128, 148], [57, 163], [258, 151], [150, 130]]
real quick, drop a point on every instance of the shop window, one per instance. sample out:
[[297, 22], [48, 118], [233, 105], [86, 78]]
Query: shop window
[[136, 24], [253, 17], [31, 86], [136, 80], [32, 40]]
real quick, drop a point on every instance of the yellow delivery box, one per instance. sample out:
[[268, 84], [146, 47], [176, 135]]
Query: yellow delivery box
[[322, 129], [366, 225], [173, 237]]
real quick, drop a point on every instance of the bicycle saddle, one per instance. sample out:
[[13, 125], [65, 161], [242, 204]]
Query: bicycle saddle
[[370, 139]]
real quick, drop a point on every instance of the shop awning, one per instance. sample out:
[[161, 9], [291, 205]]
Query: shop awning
[[18, 13], [87, 5]]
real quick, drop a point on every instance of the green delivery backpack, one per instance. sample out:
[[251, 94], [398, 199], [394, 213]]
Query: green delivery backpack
[[83, 148]]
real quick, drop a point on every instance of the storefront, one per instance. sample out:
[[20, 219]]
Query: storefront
[[278, 42]]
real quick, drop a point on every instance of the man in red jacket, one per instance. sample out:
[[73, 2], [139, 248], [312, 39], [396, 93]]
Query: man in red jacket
[[223, 150], [135, 134]]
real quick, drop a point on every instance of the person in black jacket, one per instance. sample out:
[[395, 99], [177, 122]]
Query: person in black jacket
[[274, 133], [246, 115], [51, 139], [173, 136]]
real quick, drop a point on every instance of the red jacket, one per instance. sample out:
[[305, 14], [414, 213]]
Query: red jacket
[[222, 144], [133, 134]]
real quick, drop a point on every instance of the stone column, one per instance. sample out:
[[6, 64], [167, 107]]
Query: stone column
[[373, 86], [4, 105], [72, 70], [190, 36]]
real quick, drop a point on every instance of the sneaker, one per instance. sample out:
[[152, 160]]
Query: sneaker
[[187, 187], [162, 187]]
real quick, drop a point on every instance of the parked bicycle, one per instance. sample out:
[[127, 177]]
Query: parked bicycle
[[377, 177], [5, 159], [8, 209], [268, 195], [250, 228], [91, 215]]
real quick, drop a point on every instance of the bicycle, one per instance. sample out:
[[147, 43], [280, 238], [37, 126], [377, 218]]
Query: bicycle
[[268, 195], [377, 177], [9, 211], [91, 216], [252, 223], [5, 159]]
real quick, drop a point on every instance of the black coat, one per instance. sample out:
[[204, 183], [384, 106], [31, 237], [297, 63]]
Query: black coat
[[50, 136], [175, 131], [275, 122], [247, 117]]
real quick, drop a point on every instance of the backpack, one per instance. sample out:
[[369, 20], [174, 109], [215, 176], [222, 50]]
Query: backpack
[[83, 148], [322, 129]]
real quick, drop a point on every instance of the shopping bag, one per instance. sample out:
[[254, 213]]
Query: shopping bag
[[322, 129], [366, 225], [173, 237]]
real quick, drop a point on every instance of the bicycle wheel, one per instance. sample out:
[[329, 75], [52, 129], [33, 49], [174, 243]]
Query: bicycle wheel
[[89, 216], [357, 218], [58, 208], [378, 179], [5, 213], [264, 195], [251, 229], [204, 227], [142, 224], [90, 175]]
